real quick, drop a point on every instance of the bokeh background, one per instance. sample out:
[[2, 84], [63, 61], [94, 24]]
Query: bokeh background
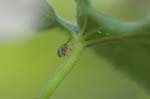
[[27, 63]]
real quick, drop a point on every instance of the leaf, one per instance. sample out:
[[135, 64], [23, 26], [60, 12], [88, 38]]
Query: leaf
[[47, 19], [125, 44], [131, 55], [46, 16]]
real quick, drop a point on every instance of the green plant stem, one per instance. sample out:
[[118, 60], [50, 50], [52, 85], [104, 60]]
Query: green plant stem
[[61, 73], [114, 39], [73, 29], [90, 33], [110, 24], [84, 26]]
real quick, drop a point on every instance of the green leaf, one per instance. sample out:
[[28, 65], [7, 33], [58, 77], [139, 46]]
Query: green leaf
[[131, 55], [46, 16], [48, 19], [125, 44]]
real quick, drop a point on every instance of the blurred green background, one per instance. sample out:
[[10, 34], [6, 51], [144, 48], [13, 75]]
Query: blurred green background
[[25, 67]]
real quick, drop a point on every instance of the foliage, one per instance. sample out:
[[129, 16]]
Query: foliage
[[124, 43]]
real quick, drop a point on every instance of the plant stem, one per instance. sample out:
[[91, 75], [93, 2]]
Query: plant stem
[[84, 26], [72, 28], [91, 32], [61, 73], [111, 39], [110, 24]]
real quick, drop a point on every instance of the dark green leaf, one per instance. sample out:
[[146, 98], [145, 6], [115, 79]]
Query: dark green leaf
[[130, 55]]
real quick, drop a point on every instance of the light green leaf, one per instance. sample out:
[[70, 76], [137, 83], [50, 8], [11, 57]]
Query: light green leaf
[[48, 19]]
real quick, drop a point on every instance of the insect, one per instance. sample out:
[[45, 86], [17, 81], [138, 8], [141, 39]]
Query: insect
[[62, 50]]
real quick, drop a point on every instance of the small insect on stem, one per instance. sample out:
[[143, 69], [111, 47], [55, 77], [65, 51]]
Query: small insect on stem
[[62, 50]]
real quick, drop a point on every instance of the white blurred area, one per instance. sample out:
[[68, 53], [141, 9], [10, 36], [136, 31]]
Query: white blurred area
[[16, 19]]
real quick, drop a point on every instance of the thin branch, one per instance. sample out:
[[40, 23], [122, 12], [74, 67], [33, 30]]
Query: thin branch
[[108, 39], [84, 26], [113, 25], [91, 32], [72, 28]]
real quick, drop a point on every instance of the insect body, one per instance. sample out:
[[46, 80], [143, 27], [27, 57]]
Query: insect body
[[62, 50]]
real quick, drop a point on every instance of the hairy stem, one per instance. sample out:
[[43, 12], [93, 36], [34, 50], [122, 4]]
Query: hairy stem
[[60, 73]]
